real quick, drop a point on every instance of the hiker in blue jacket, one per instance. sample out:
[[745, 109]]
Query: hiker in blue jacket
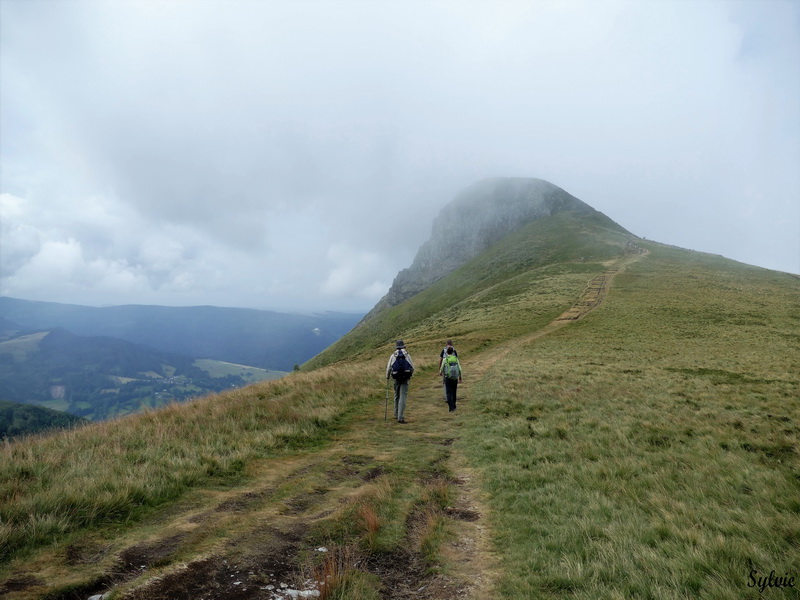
[[400, 368], [451, 370]]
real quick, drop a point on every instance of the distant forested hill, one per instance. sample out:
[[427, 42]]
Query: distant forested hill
[[21, 419], [100, 377], [265, 339]]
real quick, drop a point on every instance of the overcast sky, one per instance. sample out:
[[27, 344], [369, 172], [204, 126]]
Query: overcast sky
[[292, 155]]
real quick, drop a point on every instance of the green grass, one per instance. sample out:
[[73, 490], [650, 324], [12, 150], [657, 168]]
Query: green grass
[[54, 485], [650, 450], [216, 368]]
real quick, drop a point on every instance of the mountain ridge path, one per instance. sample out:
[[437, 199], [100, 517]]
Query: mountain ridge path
[[590, 299], [474, 563], [175, 554]]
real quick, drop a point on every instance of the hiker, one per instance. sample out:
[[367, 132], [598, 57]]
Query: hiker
[[447, 345], [400, 368], [451, 370]]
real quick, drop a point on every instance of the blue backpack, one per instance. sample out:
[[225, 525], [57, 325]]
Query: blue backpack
[[401, 368]]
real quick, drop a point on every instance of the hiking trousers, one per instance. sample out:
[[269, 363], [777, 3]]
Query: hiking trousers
[[400, 396], [450, 389]]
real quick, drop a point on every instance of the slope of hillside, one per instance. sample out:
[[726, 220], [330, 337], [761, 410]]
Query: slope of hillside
[[562, 250], [646, 449], [657, 437], [476, 219]]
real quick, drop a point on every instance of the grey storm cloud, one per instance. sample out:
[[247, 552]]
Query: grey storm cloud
[[293, 154]]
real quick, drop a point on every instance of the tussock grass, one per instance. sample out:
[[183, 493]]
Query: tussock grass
[[113, 471], [339, 577]]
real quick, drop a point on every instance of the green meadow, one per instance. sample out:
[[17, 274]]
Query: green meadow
[[650, 449], [218, 368], [647, 450]]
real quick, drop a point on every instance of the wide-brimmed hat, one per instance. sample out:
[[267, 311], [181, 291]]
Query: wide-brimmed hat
[[400, 344]]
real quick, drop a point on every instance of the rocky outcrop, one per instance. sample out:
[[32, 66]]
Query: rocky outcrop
[[477, 218]]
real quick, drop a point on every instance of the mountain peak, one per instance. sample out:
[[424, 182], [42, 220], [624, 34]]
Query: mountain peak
[[478, 217]]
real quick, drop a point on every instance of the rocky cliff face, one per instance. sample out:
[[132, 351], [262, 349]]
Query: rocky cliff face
[[477, 218]]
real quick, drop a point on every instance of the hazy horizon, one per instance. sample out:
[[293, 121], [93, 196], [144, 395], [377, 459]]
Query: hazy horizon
[[292, 155]]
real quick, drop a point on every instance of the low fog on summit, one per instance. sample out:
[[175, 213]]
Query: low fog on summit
[[293, 155]]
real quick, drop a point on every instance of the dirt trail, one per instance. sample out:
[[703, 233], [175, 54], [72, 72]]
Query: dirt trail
[[591, 298], [266, 523], [180, 553]]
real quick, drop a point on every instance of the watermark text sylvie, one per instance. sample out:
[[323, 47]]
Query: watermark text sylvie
[[761, 582]]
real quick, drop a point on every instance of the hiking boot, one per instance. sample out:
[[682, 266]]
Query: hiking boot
[[403, 421]]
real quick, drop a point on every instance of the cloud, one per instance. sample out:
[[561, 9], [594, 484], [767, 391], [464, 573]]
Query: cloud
[[358, 274], [65, 264], [275, 153]]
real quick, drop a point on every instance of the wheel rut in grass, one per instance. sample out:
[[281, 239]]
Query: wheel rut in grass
[[258, 540]]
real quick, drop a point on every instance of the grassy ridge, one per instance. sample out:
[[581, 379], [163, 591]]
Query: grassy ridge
[[545, 250], [650, 450]]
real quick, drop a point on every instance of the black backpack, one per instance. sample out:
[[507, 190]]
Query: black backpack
[[401, 368]]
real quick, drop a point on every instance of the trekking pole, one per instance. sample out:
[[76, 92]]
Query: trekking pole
[[386, 411]]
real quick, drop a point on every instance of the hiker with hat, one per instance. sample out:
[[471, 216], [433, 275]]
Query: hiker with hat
[[400, 368]]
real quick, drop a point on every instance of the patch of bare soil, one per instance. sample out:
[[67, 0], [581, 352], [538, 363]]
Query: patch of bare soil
[[243, 502], [266, 564], [462, 514], [208, 578], [403, 575], [19, 583], [85, 553], [303, 502], [97, 586], [264, 571], [373, 473], [147, 555], [131, 562], [352, 467]]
